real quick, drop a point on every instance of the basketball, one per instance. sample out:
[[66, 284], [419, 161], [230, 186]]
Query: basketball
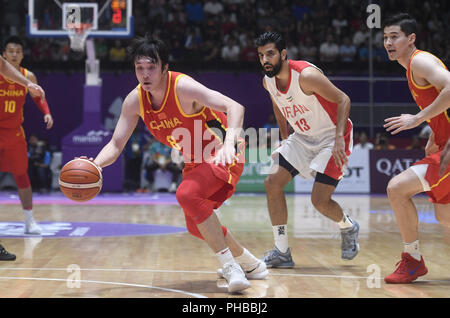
[[80, 180]]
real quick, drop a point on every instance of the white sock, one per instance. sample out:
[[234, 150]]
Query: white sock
[[413, 249], [225, 256], [28, 215], [281, 237], [246, 259], [346, 222]]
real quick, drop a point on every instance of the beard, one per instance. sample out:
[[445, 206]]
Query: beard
[[275, 69]]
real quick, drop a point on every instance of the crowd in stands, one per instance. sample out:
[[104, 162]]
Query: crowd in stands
[[217, 32]]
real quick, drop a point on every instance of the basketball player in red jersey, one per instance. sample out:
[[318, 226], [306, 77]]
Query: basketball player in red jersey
[[13, 156], [8, 71], [429, 83], [187, 116], [318, 148]]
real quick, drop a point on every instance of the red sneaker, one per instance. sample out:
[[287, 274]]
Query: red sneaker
[[408, 270]]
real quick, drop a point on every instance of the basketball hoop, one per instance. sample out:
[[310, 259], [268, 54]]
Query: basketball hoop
[[78, 34]]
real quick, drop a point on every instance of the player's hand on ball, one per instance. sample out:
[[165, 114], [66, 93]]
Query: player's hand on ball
[[91, 160]]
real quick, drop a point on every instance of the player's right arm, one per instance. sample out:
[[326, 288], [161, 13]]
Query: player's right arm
[[429, 69], [128, 120], [281, 121], [7, 70]]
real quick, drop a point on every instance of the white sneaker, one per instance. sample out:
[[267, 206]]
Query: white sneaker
[[234, 275], [254, 271], [173, 187], [31, 227]]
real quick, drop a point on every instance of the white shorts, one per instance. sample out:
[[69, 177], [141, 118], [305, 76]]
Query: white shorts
[[310, 155], [421, 171]]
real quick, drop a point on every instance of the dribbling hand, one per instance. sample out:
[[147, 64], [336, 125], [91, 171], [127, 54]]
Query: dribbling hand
[[91, 160]]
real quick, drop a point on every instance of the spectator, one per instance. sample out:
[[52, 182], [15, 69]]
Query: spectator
[[39, 158], [249, 53], [339, 22], [213, 7], [195, 13], [230, 52], [228, 25], [299, 10], [133, 161], [347, 51], [160, 158], [292, 50], [101, 49], [363, 142], [329, 50], [117, 53], [360, 36], [416, 143], [308, 51], [382, 142], [363, 52]]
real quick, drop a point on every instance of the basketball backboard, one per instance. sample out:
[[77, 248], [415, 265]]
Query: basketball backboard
[[54, 18]]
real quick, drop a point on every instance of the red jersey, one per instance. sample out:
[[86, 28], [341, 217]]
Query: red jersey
[[12, 100], [190, 134], [424, 96]]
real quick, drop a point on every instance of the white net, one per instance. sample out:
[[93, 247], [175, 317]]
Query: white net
[[78, 35]]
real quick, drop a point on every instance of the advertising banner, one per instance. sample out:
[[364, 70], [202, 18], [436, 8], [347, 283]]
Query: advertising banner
[[355, 180], [255, 172], [385, 164]]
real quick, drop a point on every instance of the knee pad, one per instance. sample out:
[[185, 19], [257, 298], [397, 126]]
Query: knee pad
[[22, 181]]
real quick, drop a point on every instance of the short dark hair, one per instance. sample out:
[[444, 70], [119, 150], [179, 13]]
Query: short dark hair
[[271, 37], [149, 47], [12, 39], [406, 23]]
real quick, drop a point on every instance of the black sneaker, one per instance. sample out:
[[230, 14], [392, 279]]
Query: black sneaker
[[5, 256]]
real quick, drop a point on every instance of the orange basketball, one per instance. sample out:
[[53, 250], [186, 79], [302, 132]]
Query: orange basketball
[[80, 180]]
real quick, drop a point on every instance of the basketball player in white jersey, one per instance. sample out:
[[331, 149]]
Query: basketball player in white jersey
[[318, 148]]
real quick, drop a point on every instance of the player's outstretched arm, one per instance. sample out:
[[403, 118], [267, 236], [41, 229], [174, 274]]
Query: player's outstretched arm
[[10, 72], [190, 91], [312, 81], [427, 67], [41, 102], [127, 123]]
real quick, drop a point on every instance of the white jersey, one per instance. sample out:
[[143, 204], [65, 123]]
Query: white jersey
[[309, 148], [309, 115]]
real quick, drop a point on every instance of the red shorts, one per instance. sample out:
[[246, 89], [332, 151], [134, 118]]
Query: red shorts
[[13, 151], [228, 176], [440, 185], [205, 186]]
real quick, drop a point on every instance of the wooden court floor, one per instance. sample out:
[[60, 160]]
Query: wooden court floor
[[116, 262]]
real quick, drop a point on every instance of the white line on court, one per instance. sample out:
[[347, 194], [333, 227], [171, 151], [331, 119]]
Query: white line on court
[[194, 272], [174, 271], [110, 283]]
